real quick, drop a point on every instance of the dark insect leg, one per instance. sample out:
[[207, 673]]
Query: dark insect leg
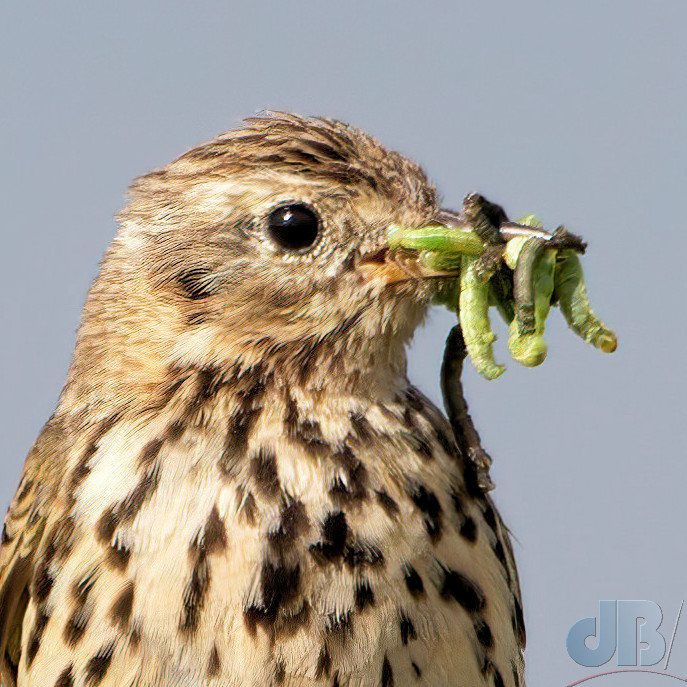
[[457, 408], [484, 217]]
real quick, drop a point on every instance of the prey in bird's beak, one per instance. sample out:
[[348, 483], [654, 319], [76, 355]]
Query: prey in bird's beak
[[395, 263], [487, 260], [430, 251]]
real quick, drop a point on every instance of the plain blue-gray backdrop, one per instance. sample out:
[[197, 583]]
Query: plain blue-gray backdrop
[[574, 110]]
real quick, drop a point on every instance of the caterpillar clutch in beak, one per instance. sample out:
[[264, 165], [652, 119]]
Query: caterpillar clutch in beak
[[486, 260]]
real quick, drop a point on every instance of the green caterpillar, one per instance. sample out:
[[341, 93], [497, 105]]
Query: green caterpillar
[[519, 268]]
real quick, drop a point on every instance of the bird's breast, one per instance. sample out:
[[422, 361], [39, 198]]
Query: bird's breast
[[282, 537]]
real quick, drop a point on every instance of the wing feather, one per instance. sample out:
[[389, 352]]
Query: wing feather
[[21, 537]]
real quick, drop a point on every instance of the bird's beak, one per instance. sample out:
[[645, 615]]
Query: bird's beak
[[404, 260], [391, 265]]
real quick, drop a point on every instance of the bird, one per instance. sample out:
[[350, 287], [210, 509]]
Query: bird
[[239, 485]]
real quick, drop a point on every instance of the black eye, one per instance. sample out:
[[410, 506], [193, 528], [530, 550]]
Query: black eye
[[293, 227]]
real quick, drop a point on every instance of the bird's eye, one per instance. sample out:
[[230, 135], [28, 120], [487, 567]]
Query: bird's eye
[[293, 227]]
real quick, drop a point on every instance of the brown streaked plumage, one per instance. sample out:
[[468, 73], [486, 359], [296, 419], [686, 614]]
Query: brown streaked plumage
[[239, 486]]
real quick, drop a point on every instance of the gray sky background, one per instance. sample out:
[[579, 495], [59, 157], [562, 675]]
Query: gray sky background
[[574, 110]]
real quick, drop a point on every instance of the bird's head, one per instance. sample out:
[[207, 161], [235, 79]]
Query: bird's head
[[267, 245]]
